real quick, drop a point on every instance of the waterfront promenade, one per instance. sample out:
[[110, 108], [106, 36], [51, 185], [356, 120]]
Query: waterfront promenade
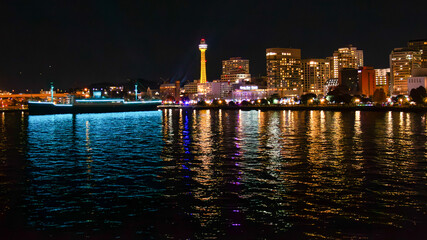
[[14, 109], [304, 107]]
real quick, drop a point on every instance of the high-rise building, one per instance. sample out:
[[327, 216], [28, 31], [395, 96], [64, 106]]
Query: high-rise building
[[420, 45], [315, 73], [366, 79], [202, 47], [346, 57], [402, 62], [235, 69], [382, 79], [349, 77], [284, 75], [235, 65]]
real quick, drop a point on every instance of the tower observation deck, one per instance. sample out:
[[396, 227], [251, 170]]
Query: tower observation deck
[[202, 47]]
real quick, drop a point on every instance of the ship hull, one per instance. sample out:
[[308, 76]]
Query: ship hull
[[40, 108]]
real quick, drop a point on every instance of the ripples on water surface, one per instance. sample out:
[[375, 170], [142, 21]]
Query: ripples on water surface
[[214, 174]]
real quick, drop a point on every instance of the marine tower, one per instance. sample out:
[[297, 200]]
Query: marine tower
[[202, 47]]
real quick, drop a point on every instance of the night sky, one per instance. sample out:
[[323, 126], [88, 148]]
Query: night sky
[[77, 43]]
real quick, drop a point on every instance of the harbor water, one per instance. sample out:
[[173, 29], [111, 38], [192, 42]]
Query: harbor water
[[214, 174]]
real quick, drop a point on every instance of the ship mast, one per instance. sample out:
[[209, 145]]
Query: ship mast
[[51, 91]]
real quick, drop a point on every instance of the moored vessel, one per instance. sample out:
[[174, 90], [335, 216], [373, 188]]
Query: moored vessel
[[92, 106]]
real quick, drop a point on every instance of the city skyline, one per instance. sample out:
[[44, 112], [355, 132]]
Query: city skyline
[[213, 119], [112, 42]]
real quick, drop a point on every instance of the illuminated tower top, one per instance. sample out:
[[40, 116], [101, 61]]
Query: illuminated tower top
[[202, 47]]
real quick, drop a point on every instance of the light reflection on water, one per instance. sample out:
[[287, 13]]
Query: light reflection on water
[[215, 174]]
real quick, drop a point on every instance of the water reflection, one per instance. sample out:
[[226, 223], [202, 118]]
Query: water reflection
[[215, 174], [13, 142], [88, 171], [296, 173]]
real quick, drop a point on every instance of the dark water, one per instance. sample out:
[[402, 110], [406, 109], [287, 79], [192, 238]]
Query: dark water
[[214, 175]]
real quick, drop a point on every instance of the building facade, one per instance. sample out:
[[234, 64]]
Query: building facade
[[366, 81], [346, 57], [260, 81], [250, 92], [198, 91], [315, 74], [416, 82], [418, 79], [191, 88], [421, 46], [284, 75], [221, 90], [349, 77], [204, 90], [402, 62], [235, 69], [382, 79], [330, 84], [234, 78], [235, 65], [168, 91]]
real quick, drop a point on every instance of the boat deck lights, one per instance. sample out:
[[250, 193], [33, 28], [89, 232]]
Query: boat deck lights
[[143, 102], [98, 100]]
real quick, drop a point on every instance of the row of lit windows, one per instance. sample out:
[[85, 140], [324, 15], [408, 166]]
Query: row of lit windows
[[415, 80], [274, 53]]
